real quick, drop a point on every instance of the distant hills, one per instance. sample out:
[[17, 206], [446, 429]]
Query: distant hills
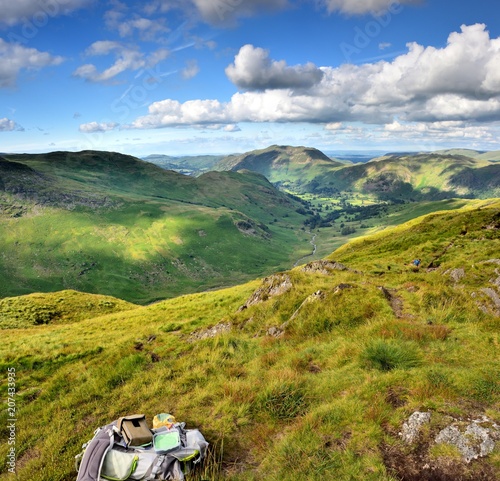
[[112, 224], [396, 177], [188, 164]]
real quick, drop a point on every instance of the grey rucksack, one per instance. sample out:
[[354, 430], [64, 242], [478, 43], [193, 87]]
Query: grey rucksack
[[124, 450]]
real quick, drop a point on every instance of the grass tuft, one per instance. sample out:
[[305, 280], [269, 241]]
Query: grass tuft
[[388, 355]]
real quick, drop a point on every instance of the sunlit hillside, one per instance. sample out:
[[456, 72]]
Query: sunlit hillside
[[308, 374]]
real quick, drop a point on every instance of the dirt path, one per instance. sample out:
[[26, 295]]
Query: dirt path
[[308, 255]]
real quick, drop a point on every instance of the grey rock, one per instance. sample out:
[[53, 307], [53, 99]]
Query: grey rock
[[473, 443], [211, 331], [272, 286], [412, 427], [456, 274], [323, 267]]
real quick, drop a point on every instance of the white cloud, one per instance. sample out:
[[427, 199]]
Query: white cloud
[[20, 11], [126, 58], [92, 127], [459, 82], [15, 57], [103, 47], [231, 128], [146, 28], [361, 7], [254, 70], [7, 125], [438, 132], [384, 45], [334, 126], [191, 69]]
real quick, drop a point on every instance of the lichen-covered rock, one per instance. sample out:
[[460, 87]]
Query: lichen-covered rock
[[415, 459], [475, 441], [456, 274], [323, 267], [272, 286], [211, 331], [412, 427]]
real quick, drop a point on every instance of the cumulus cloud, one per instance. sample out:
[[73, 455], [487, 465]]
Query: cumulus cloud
[[439, 132], [254, 70], [126, 58], [15, 57], [459, 82], [7, 125], [93, 127], [20, 11], [361, 7]]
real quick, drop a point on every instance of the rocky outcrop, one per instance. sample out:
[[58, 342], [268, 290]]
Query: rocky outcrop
[[323, 267], [423, 455], [455, 274], [213, 331], [411, 427], [473, 441], [490, 294], [316, 296], [272, 286]]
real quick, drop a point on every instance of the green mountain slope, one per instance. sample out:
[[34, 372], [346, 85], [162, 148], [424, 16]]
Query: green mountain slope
[[475, 154], [289, 167], [393, 177], [312, 373], [107, 223]]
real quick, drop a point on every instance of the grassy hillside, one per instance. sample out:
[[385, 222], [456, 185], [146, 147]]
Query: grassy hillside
[[111, 224], [393, 177], [415, 177], [310, 374], [288, 167]]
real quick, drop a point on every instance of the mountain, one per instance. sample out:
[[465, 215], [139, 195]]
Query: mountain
[[475, 154], [112, 224], [393, 177], [359, 366], [418, 177], [285, 166]]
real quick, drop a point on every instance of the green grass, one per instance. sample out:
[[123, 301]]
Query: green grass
[[111, 224], [321, 400]]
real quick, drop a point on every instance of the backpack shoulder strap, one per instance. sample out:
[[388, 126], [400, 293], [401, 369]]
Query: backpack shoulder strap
[[93, 457]]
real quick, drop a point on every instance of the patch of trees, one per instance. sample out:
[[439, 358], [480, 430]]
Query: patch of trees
[[347, 230]]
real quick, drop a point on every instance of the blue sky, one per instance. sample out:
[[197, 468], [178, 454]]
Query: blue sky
[[220, 76]]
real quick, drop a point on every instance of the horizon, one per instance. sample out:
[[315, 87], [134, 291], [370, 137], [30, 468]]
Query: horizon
[[215, 77]]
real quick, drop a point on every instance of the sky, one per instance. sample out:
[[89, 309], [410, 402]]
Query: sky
[[186, 77]]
